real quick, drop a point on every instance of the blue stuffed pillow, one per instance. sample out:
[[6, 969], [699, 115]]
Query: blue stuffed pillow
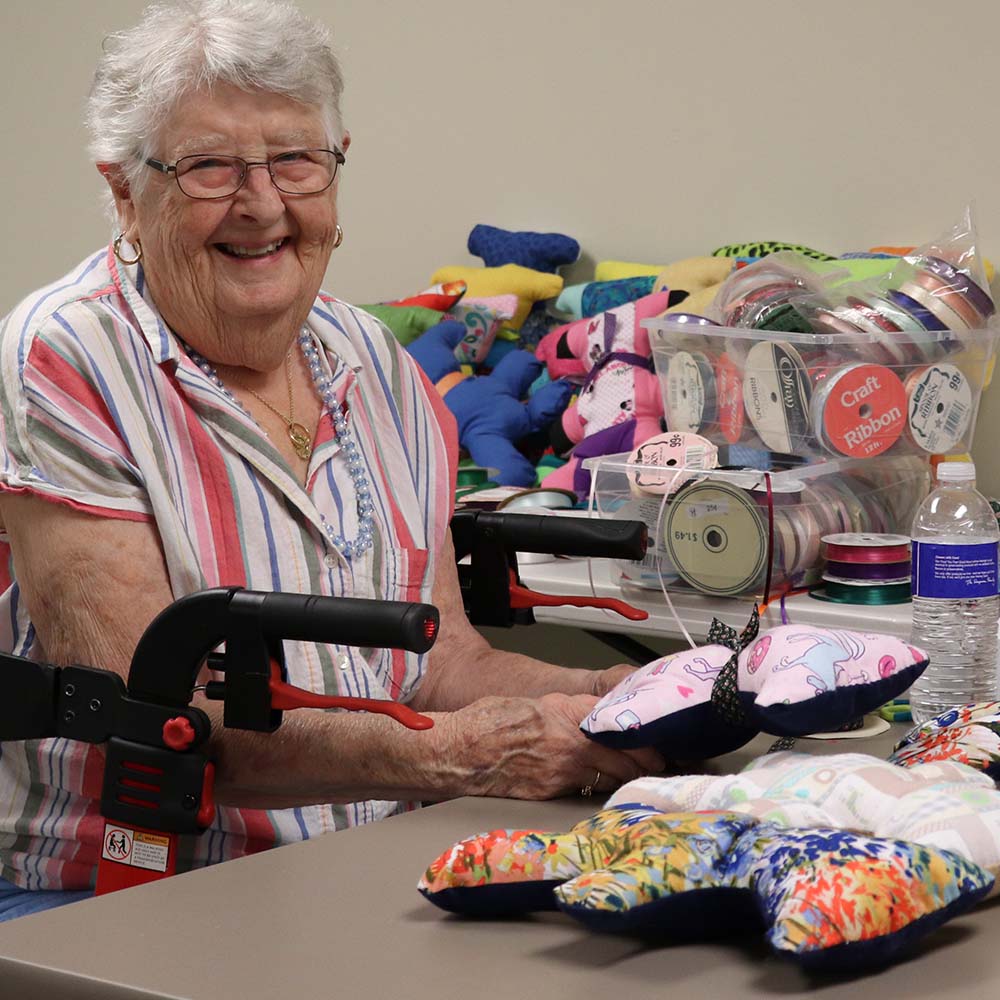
[[488, 409]]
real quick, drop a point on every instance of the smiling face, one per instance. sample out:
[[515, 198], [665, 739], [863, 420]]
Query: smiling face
[[235, 277]]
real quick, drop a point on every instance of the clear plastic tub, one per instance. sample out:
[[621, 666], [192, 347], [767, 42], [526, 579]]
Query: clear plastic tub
[[718, 532], [820, 395]]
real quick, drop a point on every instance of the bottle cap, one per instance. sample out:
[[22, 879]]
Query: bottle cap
[[950, 472]]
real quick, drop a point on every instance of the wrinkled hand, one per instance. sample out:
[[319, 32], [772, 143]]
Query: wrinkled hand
[[533, 749], [604, 681]]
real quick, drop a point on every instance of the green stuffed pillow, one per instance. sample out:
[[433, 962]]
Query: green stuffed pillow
[[406, 323]]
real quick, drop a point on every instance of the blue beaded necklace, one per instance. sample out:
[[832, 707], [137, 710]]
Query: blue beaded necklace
[[355, 466]]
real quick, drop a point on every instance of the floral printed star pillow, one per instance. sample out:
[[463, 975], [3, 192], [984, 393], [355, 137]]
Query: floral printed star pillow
[[967, 734], [825, 898]]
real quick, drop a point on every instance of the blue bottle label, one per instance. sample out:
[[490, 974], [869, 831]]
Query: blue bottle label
[[954, 572]]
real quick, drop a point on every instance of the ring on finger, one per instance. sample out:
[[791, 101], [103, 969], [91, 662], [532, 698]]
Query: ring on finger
[[589, 790]]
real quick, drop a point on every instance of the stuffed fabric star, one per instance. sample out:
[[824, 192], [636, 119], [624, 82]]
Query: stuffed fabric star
[[825, 898], [790, 680], [764, 248], [694, 281], [944, 804], [514, 871], [527, 284], [539, 251], [968, 734], [491, 417], [614, 270], [406, 323], [441, 297]]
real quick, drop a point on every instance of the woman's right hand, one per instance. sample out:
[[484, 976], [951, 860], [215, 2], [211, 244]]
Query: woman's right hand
[[533, 749]]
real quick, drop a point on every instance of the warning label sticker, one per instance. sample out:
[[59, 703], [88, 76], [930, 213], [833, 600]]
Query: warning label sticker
[[136, 848]]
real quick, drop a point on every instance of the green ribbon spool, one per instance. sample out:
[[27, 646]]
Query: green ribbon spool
[[471, 478], [842, 593]]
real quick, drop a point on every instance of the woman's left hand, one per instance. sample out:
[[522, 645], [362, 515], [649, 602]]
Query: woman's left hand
[[604, 681]]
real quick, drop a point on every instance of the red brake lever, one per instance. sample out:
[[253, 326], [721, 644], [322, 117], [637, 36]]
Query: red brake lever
[[285, 697], [522, 597]]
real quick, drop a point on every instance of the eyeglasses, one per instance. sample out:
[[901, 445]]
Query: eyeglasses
[[209, 175]]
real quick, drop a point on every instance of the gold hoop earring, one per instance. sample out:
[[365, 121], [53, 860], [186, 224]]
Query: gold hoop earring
[[117, 245], [340, 237]]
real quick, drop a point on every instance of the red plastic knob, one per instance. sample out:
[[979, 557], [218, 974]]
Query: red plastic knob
[[178, 733]]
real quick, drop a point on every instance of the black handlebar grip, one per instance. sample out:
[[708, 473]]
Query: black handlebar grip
[[28, 705], [349, 621], [566, 536]]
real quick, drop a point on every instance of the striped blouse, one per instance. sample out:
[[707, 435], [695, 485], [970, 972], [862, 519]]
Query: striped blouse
[[103, 410]]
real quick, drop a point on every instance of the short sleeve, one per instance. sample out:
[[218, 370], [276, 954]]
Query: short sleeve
[[433, 435], [448, 426], [68, 411]]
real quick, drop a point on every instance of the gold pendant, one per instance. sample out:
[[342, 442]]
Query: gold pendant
[[301, 440]]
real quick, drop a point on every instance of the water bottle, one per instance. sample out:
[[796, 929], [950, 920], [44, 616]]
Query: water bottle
[[955, 603]]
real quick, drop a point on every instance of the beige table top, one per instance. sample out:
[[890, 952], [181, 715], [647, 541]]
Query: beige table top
[[340, 917]]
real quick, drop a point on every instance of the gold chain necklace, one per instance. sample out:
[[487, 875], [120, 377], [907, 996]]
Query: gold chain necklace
[[301, 438]]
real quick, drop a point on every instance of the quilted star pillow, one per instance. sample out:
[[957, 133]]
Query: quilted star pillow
[[827, 899], [969, 734], [790, 681], [941, 804]]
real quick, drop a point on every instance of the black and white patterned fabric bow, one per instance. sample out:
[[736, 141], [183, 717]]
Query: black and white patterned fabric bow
[[725, 695]]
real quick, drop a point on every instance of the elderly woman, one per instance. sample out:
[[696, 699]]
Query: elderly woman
[[186, 410]]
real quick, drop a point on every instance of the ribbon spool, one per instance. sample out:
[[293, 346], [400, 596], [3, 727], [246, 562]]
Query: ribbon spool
[[729, 400], [722, 535], [716, 538], [868, 337], [776, 393], [848, 572], [922, 315], [730, 533], [870, 569], [876, 595], [759, 296], [859, 410], [471, 478], [690, 398], [859, 547], [545, 498], [665, 462], [948, 308], [750, 292], [950, 294], [939, 408]]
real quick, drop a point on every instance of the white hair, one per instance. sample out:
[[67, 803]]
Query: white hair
[[187, 45]]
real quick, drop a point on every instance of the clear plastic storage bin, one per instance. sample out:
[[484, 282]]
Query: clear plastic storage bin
[[719, 531], [846, 395]]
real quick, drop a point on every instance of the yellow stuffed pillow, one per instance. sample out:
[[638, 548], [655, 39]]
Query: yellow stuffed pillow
[[612, 270], [529, 286]]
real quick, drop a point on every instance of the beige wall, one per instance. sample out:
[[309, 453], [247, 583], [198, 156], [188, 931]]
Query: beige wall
[[648, 129]]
